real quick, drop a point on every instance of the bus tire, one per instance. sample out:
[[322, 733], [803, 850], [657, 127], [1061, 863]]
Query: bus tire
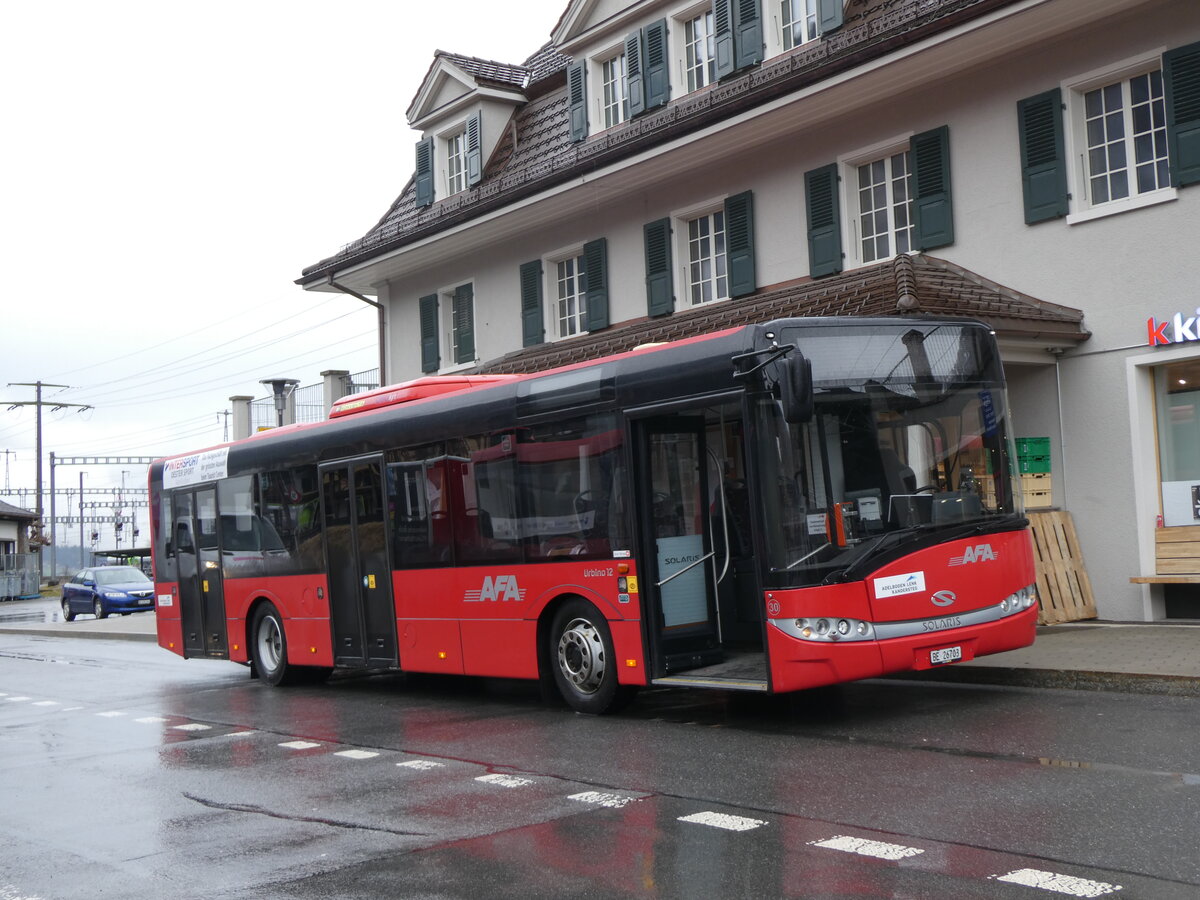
[[268, 643], [582, 659]]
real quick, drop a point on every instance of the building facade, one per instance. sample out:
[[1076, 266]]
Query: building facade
[[659, 169]]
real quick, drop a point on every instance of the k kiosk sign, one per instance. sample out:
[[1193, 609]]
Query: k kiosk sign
[[1177, 330]]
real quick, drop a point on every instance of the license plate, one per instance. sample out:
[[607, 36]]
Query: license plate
[[945, 655], [145, 601]]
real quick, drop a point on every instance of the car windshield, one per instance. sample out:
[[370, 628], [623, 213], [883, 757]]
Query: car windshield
[[120, 575]]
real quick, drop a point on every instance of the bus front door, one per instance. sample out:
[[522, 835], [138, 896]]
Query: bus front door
[[201, 593], [677, 570], [362, 615]]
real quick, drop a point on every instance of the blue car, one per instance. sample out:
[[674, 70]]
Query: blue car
[[107, 589]]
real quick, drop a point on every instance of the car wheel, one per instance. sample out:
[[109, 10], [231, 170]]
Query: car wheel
[[584, 664], [98, 609], [68, 613]]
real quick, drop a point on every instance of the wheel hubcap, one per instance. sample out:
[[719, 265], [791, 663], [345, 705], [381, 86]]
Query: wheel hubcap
[[270, 649], [581, 656]]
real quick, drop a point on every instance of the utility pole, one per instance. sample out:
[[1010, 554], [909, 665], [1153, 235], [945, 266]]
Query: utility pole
[[7, 454], [38, 404], [226, 413]]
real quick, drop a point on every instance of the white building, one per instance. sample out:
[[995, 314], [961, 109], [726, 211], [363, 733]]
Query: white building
[[664, 168]]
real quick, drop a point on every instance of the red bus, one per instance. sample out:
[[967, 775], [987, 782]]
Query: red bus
[[767, 508]]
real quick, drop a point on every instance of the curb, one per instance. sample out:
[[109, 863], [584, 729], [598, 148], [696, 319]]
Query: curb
[[1065, 679], [81, 633]]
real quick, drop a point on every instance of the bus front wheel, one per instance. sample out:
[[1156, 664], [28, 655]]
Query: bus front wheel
[[581, 654], [269, 643]]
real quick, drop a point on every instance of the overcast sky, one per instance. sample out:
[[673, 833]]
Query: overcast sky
[[169, 169]]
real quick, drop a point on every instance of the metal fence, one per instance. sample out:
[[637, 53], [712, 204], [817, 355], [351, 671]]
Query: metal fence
[[309, 400], [19, 576]]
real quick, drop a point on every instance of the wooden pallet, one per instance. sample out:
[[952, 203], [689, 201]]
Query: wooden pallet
[[1064, 590]]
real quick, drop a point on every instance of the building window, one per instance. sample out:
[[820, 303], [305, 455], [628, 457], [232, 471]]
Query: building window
[[884, 213], [1126, 138], [615, 104], [799, 21], [456, 163], [699, 60], [570, 298], [707, 273]]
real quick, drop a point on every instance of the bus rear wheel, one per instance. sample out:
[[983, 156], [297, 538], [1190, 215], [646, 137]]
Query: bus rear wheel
[[584, 664]]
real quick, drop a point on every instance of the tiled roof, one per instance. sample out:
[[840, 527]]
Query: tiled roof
[[489, 70], [545, 156], [8, 511], [927, 285]]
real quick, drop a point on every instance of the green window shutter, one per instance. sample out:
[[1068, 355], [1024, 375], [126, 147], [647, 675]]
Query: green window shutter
[[723, 37], [748, 28], [1043, 159], [1181, 80], [739, 243], [424, 176], [824, 221], [634, 81], [595, 262], [577, 100], [656, 72], [533, 323], [660, 299], [430, 358], [463, 313], [829, 15], [474, 150], [933, 214]]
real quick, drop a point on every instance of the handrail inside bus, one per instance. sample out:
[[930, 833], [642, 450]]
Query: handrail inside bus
[[687, 568]]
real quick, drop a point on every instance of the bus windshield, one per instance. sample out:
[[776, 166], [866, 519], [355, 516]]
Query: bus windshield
[[907, 438]]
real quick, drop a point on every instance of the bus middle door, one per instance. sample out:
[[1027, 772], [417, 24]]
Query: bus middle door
[[362, 614], [677, 574], [201, 592]]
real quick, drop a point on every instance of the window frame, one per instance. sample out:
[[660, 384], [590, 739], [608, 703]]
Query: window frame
[[848, 196], [448, 156], [550, 264], [681, 222], [448, 339], [812, 9], [681, 22], [600, 61], [1075, 142]]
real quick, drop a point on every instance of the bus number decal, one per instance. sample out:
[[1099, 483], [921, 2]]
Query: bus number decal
[[598, 573], [502, 588]]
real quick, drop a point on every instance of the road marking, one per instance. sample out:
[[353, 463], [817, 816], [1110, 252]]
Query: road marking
[[598, 798], [1060, 884], [9, 892], [721, 820], [299, 745], [863, 847], [17, 699], [111, 714], [356, 754], [420, 764], [46, 703], [149, 720], [508, 781], [192, 726]]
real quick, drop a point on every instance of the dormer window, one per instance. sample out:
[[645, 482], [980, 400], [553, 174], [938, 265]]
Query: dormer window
[[456, 162]]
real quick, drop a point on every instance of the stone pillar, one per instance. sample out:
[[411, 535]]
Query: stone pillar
[[241, 417], [336, 385]]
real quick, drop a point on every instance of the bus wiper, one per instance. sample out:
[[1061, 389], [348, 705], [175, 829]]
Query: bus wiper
[[849, 572]]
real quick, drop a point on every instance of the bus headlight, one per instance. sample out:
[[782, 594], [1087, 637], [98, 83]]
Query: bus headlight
[[1019, 600], [826, 629]]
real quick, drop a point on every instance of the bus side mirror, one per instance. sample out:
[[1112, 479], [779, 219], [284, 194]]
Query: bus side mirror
[[796, 389]]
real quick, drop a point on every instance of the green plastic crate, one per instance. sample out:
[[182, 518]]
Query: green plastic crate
[[1033, 446], [1034, 465]]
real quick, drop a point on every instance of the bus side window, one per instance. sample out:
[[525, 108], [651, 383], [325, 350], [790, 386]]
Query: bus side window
[[487, 527], [569, 493], [418, 507], [289, 510]]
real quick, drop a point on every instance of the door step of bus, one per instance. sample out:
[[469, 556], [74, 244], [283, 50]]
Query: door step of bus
[[713, 681]]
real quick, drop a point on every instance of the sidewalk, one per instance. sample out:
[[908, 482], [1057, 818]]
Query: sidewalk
[[1091, 655]]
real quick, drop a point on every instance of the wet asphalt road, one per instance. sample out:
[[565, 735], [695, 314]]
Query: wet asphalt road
[[127, 772]]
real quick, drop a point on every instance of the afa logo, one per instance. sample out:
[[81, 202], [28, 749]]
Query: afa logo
[[502, 588], [978, 553]]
